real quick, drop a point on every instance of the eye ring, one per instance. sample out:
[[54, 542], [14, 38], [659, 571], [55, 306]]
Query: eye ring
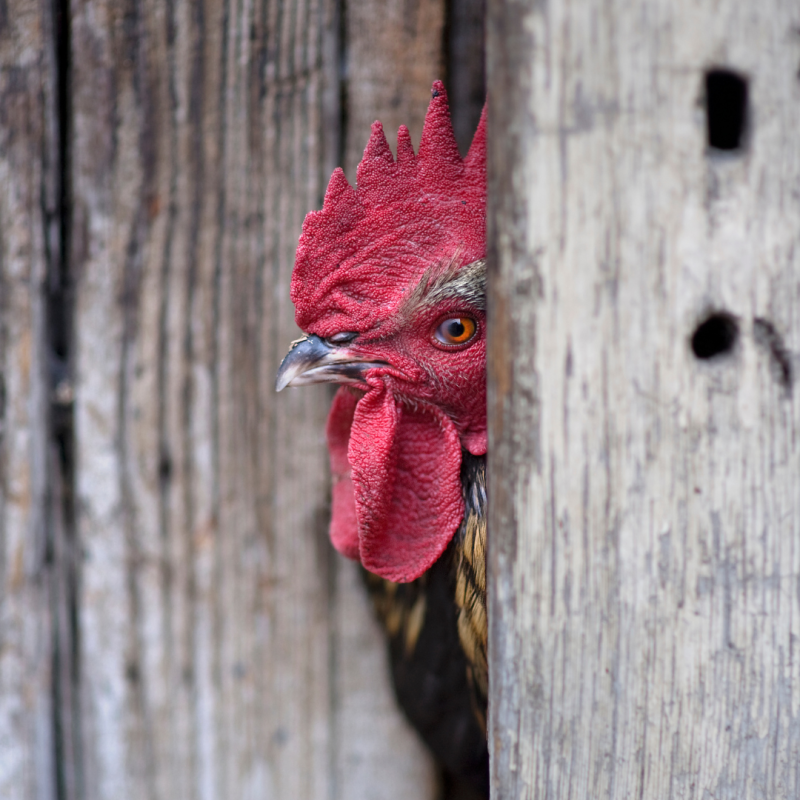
[[455, 332]]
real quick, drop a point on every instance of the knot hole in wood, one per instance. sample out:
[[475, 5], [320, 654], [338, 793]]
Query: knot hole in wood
[[715, 336]]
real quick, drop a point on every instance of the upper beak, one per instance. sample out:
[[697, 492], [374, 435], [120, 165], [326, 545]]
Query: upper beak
[[313, 360]]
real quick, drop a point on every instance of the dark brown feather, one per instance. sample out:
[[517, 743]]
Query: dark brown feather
[[437, 628]]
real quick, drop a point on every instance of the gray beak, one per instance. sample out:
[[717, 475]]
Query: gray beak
[[313, 360]]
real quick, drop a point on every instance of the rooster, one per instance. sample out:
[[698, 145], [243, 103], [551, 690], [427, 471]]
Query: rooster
[[389, 289]]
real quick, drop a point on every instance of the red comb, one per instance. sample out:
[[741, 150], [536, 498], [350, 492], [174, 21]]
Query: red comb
[[357, 255]]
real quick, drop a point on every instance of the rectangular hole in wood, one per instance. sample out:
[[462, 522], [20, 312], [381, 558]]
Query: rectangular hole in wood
[[726, 109]]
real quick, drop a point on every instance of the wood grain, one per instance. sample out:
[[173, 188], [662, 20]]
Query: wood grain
[[175, 623], [645, 509], [393, 55], [28, 242], [218, 629]]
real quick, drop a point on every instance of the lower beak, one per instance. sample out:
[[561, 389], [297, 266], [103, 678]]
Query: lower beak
[[313, 360]]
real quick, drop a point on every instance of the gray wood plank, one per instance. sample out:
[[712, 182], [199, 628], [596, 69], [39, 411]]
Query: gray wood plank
[[216, 622], [645, 512], [393, 54], [28, 209]]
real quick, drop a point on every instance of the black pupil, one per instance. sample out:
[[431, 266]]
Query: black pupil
[[455, 329]]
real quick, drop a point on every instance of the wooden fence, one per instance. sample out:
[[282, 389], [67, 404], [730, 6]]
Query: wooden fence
[[173, 621], [645, 426]]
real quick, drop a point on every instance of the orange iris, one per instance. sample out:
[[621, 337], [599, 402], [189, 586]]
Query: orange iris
[[455, 330]]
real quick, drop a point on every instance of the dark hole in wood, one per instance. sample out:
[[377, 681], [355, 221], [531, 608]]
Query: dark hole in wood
[[132, 672], [715, 337], [726, 109], [165, 468]]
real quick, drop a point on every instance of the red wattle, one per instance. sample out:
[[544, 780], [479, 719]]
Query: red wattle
[[405, 499], [344, 526]]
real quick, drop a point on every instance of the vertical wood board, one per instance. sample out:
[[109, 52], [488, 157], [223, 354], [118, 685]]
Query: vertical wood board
[[211, 602], [27, 208], [645, 550], [392, 56]]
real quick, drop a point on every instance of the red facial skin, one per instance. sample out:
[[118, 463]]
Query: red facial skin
[[424, 370], [396, 443]]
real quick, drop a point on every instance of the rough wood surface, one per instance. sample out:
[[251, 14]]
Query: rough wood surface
[[225, 651], [393, 55], [645, 552], [27, 206]]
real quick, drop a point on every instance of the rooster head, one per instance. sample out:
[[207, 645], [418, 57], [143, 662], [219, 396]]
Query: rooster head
[[389, 288]]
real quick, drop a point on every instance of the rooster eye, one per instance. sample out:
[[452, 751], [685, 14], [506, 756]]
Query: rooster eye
[[455, 330], [344, 337]]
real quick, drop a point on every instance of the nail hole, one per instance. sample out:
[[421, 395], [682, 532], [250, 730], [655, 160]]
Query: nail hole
[[715, 337], [726, 109]]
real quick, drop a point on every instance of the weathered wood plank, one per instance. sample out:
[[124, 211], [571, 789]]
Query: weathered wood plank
[[645, 524], [216, 636], [393, 55], [28, 205]]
